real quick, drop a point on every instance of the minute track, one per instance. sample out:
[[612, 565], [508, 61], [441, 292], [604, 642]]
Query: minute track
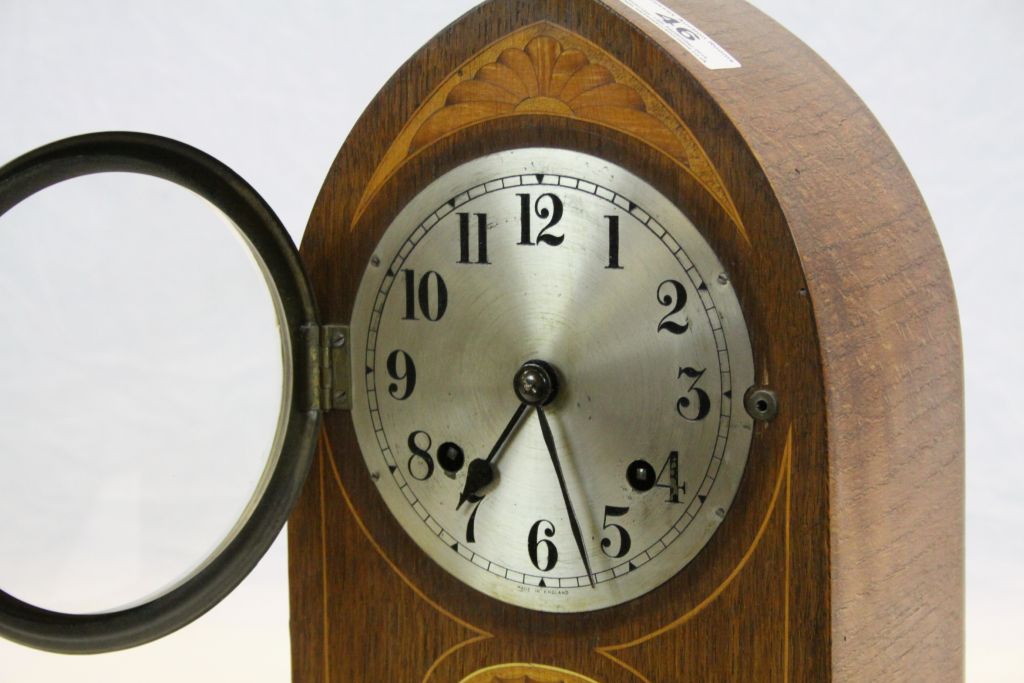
[[484, 197]]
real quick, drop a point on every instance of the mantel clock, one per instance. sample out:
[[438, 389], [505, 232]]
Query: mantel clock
[[624, 351]]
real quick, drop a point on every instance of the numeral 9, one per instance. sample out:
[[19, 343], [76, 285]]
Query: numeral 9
[[404, 372]]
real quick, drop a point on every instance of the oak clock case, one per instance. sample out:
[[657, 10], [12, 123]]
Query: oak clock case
[[634, 358], [840, 540]]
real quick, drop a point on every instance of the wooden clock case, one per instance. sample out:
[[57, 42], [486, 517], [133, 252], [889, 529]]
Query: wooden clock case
[[842, 557]]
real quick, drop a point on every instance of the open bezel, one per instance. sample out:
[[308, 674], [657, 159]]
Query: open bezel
[[290, 456]]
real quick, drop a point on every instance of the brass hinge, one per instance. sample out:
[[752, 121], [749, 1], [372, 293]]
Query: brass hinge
[[329, 371]]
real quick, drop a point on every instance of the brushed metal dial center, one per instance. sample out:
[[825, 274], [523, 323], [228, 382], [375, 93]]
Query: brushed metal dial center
[[581, 286], [536, 383]]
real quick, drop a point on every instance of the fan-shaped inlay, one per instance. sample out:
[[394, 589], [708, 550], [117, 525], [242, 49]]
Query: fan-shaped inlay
[[544, 78], [545, 69]]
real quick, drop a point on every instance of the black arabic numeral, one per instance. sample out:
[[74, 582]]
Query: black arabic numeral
[[553, 215], [431, 296], [410, 295], [421, 463], [624, 541], [481, 238], [613, 243], [672, 293], [670, 472], [524, 219], [534, 544], [471, 525], [403, 372], [684, 406]]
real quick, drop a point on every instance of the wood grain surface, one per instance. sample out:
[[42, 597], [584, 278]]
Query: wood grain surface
[[842, 557]]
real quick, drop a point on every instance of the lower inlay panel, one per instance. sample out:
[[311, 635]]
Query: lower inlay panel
[[525, 673]]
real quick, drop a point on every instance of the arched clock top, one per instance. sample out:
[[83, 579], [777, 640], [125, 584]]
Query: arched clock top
[[833, 261]]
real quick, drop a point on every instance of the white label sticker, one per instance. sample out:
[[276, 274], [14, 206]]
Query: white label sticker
[[707, 51]]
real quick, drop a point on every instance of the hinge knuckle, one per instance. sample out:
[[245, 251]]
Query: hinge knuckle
[[335, 376]]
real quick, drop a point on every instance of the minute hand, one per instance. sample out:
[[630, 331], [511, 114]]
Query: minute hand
[[549, 441]]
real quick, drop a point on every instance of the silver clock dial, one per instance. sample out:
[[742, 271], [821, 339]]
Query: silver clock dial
[[559, 257]]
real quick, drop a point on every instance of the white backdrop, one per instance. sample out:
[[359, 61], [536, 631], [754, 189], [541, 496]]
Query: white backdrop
[[271, 89]]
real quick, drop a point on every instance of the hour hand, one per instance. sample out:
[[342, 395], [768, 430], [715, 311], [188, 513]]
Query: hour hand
[[535, 384], [481, 471], [479, 474]]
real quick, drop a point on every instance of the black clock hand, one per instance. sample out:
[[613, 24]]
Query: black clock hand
[[480, 472], [549, 441]]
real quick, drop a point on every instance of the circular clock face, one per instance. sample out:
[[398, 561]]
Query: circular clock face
[[549, 367]]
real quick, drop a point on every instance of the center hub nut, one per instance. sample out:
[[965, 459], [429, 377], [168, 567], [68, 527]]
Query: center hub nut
[[536, 383]]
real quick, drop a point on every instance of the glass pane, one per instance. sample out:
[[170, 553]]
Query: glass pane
[[140, 389]]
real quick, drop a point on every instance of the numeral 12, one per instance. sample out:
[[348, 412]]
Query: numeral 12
[[553, 215]]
